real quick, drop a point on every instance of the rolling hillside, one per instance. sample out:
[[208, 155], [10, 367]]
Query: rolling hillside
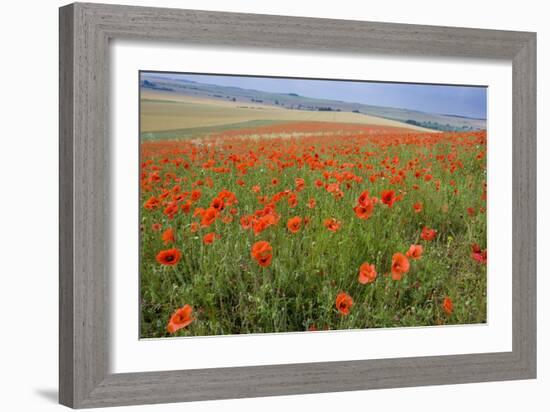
[[238, 105]]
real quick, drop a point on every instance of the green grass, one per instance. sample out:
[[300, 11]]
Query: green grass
[[231, 294], [196, 132]]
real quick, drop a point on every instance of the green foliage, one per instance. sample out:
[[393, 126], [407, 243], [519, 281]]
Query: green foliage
[[231, 294]]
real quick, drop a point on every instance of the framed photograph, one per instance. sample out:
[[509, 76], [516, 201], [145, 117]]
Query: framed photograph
[[256, 205]]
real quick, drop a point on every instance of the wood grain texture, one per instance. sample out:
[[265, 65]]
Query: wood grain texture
[[66, 229], [85, 31], [524, 207]]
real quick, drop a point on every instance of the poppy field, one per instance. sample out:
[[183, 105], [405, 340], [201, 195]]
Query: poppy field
[[305, 226]]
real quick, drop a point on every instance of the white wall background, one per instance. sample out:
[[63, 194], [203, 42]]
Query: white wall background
[[29, 191]]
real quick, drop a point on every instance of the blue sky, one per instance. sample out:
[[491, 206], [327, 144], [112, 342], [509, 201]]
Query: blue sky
[[456, 100]]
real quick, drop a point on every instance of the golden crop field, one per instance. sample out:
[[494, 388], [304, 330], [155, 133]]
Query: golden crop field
[[163, 111]]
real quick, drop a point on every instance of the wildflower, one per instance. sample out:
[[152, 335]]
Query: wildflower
[[180, 319], [364, 211], [151, 203], [196, 195], [169, 257], [344, 302], [447, 305], [415, 252], [479, 255], [209, 216], [262, 252], [292, 200], [294, 224], [171, 210], [218, 204], [399, 266], [168, 236], [332, 224], [388, 197], [209, 238], [367, 273], [428, 234]]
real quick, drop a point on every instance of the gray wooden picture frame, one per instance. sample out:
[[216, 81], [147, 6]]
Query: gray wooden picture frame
[[85, 32]]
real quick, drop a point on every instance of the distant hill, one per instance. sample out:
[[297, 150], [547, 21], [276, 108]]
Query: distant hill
[[434, 121]]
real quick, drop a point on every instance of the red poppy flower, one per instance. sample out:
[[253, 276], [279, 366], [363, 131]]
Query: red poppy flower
[[417, 207], [399, 266], [332, 224], [364, 210], [479, 255], [229, 198], [218, 204], [180, 319], [333, 188], [209, 216], [196, 195], [171, 210], [168, 236], [262, 252], [367, 273], [388, 197], [156, 227], [186, 207], [364, 197], [294, 224], [311, 203], [151, 203], [292, 200], [428, 234], [344, 302], [169, 257], [447, 305], [259, 225], [415, 252], [246, 221], [209, 238]]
